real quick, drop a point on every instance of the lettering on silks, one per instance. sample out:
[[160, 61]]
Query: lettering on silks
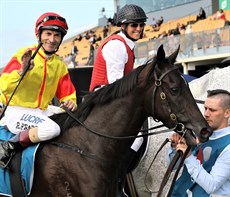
[[31, 119]]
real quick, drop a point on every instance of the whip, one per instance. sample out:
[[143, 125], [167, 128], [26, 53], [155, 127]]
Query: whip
[[22, 76]]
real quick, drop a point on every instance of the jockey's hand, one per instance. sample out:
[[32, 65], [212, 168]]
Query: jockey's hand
[[25, 60], [69, 104]]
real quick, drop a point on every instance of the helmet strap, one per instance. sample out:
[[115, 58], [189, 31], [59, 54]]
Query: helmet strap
[[47, 52], [127, 35]]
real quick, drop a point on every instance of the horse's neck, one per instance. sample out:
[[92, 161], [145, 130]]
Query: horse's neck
[[128, 115], [122, 117]]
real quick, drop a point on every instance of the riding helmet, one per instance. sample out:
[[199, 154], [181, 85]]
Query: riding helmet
[[131, 14], [51, 21]]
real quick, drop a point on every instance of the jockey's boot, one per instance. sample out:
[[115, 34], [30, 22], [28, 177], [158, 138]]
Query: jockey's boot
[[123, 168], [9, 148]]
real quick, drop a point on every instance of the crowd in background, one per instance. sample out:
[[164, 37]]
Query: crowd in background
[[184, 30]]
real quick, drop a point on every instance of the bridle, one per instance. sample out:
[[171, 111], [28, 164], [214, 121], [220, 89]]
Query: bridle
[[158, 83]]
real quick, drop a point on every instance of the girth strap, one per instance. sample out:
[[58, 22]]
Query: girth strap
[[16, 181]]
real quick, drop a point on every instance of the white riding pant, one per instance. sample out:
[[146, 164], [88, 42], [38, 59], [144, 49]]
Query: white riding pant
[[18, 119], [137, 143]]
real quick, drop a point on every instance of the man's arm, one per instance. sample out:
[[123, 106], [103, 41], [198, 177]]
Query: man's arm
[[213, 180]]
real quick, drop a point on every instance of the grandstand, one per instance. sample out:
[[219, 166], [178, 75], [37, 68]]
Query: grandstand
[[209, 45]]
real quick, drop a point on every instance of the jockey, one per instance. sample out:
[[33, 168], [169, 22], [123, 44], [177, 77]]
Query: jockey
[[27, 113], [115, 58]]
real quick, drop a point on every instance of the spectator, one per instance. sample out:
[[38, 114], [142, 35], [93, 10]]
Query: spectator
[[219, 15], [74, 52], [207, 168], [98, 38], [178, 29], [154, 23], [105, 31], [201, 15], [160, 21], [198, 42], [216, 40], [79, 38], [93, 38], [91, 54], [68, 60]]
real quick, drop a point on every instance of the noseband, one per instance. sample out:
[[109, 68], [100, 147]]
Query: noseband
[[158, 84]]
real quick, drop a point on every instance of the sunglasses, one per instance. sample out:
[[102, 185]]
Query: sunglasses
[[135, 25], [50, 18]]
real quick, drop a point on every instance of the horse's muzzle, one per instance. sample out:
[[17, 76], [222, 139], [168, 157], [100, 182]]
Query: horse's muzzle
[[205, 133]]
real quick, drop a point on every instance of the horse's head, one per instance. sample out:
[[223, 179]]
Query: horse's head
[[171, 99]]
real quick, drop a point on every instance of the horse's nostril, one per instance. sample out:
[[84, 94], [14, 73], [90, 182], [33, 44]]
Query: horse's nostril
[[205, 133]]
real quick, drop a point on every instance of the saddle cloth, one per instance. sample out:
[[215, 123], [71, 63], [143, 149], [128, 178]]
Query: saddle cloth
[[27, 166]]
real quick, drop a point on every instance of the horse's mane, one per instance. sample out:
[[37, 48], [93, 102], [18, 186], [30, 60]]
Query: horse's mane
[[100, 97]]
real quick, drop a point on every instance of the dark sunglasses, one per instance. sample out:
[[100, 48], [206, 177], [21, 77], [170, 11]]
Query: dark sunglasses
[[50, 18], [135, 25]]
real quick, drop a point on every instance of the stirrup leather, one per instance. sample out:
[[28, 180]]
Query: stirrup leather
[[5, 164], [7, 154]]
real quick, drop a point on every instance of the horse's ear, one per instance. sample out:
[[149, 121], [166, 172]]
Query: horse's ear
[[160, 53], [173, 56]]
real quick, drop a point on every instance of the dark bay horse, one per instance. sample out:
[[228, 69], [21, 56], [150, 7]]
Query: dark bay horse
[[82, 163]]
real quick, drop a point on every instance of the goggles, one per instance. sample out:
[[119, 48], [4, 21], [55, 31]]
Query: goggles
[[135, 25], [50, 18]]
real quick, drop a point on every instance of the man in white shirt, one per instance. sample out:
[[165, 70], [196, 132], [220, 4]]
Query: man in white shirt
[[115, 59]]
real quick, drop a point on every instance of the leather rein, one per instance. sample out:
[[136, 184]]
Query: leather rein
[[179, 128]]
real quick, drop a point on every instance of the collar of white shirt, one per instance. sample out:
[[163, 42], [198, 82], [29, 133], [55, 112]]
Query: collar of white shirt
[[130, 43]]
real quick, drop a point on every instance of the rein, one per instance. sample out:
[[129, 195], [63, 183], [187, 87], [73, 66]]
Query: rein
[[80, 151], [177, 156], [173, 163], [179, 128], [173, 117]]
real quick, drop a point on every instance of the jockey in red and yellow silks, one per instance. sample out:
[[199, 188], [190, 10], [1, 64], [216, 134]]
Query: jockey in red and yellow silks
[[28, 111], [50, 76]]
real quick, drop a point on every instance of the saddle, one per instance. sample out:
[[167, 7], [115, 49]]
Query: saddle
[[15, 180]]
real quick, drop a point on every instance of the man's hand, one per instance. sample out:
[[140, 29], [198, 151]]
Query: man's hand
[[179, 143], [69, 104], [175, 138]]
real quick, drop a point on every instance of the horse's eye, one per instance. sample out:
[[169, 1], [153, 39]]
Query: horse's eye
[[174, 90]]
